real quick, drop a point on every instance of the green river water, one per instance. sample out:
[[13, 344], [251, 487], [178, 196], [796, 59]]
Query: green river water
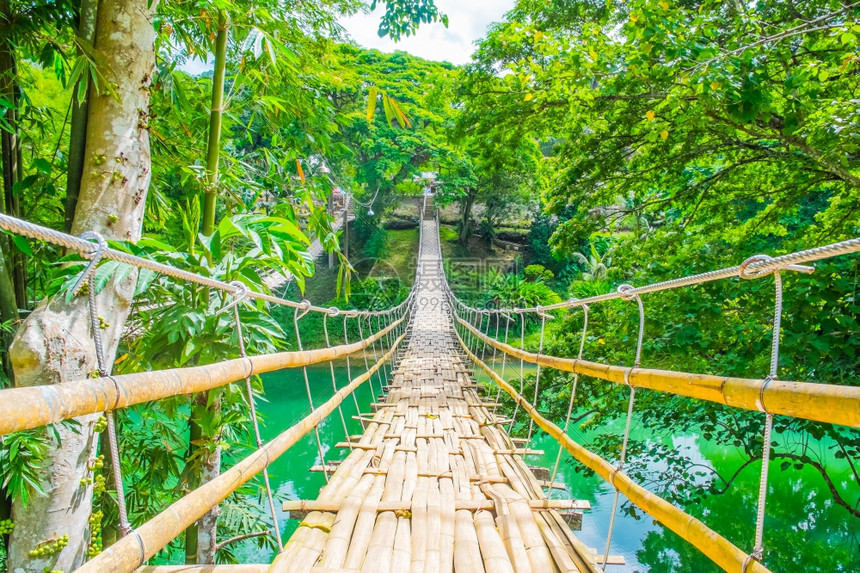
[[805, 530]]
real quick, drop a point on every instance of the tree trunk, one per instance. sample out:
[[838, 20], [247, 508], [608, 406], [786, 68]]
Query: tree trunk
[[213, 145], [10, 153], [78, 127], [210, 461], [465, 230], [54, 345], [8, 311]]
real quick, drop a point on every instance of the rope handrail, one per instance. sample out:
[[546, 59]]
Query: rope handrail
[[34, 406], [719, 549], [829, 403], [87, 250], [132, 551], [753, 267]]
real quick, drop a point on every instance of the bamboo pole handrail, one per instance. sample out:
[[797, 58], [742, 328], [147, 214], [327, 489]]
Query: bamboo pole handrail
[[716, 547], [34, 406], [811, 401], [133, 550]]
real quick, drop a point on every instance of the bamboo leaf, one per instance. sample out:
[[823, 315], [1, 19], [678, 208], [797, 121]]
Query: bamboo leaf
[[371, 102]]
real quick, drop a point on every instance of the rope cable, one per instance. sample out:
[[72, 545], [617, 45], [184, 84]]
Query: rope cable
[[572, 396], [256, 426], [296, 319], [96, 324], [626, 292], [537, 376], [757, 553], [334, 381]]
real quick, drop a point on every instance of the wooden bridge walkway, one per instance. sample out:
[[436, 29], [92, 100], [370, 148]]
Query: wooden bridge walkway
[[434, 484]]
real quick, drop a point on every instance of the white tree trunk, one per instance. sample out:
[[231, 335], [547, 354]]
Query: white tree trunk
[[207, 533], [54, 345]]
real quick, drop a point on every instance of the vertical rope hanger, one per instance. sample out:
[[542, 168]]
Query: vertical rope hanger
[[757, 553], [349, 374], [366, 364], [484, 347], [626, 294], [572, 396], [116, 463], [522, 366], [334, 311], [296, 319], [543, 317], [499, 391], [508, 321], [477, 320], [493, 359], [237, 299], [380, 325]]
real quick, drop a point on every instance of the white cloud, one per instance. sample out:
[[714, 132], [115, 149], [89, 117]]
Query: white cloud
[[467, 22]]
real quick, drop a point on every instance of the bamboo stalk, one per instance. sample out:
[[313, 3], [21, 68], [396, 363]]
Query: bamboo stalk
[[434, 528], [493, 550], [811, 401], [30, 407], [337, 544], [509, 531], [401, 556], [467, 550], [719, 549], [419, 524], [381, 547], [447, 514], [363, 530]]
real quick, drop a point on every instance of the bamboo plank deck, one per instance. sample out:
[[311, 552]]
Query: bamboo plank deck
[[434, 485]]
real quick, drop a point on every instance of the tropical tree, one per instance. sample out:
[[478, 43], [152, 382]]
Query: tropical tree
[[54, 343]]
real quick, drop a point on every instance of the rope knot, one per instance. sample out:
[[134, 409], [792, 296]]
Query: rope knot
[[626, 291], [305, 305], [240, 293], [761, 390], [95, 256], [756, 555], [333, 311], [749, 275]]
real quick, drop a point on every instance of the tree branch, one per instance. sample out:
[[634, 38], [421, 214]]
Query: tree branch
[[242, 538]]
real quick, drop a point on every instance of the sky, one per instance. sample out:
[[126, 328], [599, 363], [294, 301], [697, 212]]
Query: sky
[[467, 22]]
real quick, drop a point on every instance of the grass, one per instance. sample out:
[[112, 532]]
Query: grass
[[398, 260], [476, 249]]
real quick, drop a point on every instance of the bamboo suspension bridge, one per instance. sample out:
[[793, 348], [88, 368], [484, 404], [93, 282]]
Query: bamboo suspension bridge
[[435, 483]]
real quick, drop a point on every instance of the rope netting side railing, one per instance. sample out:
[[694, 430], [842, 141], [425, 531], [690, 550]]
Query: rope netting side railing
[[819, 402], [717, 548], [134, 550], [31, 407]]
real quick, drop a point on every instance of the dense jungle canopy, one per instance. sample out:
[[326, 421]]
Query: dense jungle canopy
[[612, 142]]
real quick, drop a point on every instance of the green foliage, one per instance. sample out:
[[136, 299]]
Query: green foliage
[[403, 17], [22, 455], [537, 273]]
